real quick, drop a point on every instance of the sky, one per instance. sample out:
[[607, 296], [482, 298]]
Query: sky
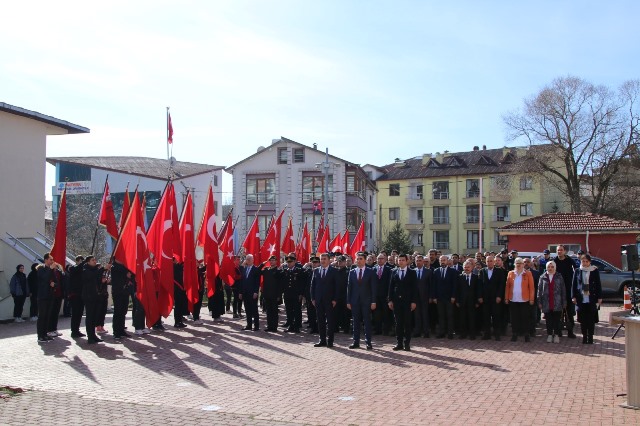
[[370, 81]]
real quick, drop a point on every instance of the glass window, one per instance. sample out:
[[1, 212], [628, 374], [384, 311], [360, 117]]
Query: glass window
[[441, 239], [263, 223], [282, 155], [473, 213], [215, 180], [441, 190], [215, 207], [419, 191], [394, 190], [526, 209], [440, 215], [394, 213], [351, 184], [526, 183], [420, 215], [313, 188], [73, 172], [473, 238], [298, 155], [355, 216], [420, 240], [261, 191], [473, 188], [502, 213]]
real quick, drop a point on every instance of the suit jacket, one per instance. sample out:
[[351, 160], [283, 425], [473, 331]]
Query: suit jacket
[[443, 285], [362, 291], [382, 283], [468, 292], [271, 283], [528, 287], [250, 283], [424, 283], [494, 287], [405, 290], [324, 290], [594, 284]]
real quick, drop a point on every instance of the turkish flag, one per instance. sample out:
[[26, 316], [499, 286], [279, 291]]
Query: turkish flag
[[125, 208], [208, 240], [320, 230], [161, 240], [107, 214], [288, 242], [169, 129], [335, 246], [187, 236], [133, 252], [302, 255], [345, 242], [173, 210], [271, 244], [251, 242], [227, 267], [323, 244], [358, 242], [59, 247]]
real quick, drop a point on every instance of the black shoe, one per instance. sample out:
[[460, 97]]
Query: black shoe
[[398, 348], [247, 328], [92, 341], [296, 330], [236, 316], [180, 325], [346, 331], [571, 335], [472, 337], [462, 336], [313, 331], [450, 336], [426, 335], [440, 336], [486, 337], [289, 330], [369, 346], [354, 346], [330, 344], [514, 338], [125, 334], [49, 338], [43, 340], [256, 329], [320, 344], [590, 340], [497, 338], [159, 327], [407, 348], [77, 334], [527, 338], [285, 325], [584, 340], [416, 335]]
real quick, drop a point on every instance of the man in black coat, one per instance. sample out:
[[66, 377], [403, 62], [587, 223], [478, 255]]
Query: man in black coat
[[293, 283], [121, 280], [250, 290], [94, 286], [468, 299], [47, 281], [342, 314], [361, 291], [382, 316], [181, 305], [535, 312], [271, 292], [565, 266], [323, 290], [402, 300], [75, 296], [443, 295], [493, 282], [423, 282]]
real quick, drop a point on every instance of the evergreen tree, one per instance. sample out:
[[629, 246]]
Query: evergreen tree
[[397, 239]]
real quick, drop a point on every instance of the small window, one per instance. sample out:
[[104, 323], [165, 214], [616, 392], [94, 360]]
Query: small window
[[215, 180], [394, 213], [394, 190], [473, 188], [420, 216], [298, 155], [526, 209], [282, 155], [526, 183], [419, 192], [215, 208], [420, 240]]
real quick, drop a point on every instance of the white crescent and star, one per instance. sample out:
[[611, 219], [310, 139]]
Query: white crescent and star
[[168, 224]]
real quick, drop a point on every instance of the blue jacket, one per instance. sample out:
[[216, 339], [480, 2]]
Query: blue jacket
[[362, 291], [324, 290], [443, 284], [595, 286]]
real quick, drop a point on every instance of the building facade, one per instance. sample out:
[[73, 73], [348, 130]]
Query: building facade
[[456, 202], [292, 176]]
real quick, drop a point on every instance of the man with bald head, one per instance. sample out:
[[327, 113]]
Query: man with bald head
[[250, 287]]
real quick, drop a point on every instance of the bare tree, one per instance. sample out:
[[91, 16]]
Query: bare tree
[[590, 130]]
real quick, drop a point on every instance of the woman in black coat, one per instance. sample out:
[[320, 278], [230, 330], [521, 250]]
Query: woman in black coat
[[19, 292], [586, 294]]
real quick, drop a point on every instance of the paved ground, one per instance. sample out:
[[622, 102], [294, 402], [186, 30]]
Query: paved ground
[[217, 374]]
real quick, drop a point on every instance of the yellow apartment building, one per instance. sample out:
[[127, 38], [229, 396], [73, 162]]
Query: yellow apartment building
[[455, 202]]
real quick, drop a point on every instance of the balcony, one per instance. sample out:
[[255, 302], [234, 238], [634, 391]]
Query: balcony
[[473, 197], [414, 225], [497, 196], [440, 223], [472, 245], [472, 222], [441, 245], [497, 246], [415, 200], [261, 198], [499, 220], [440, 199]]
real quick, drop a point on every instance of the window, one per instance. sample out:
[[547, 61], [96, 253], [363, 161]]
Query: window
[[473, 188], [351, 184], [419, 192], [473, 213], [394, 213], [500, 184], [355, 216], [215, 180], [298, 155], [394, 190], [370, 231], [502, 214], [526, 209], [420, 240], [441, 190], [473, 238], [570, 248], [420, 216], [441, 239], [313, 189], [215, 208], [282, 155], [313, 222], [370, 202], [73, 172], [526, 183], [440, 215], [261, 191]]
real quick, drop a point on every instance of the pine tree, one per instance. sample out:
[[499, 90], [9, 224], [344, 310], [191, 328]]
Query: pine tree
[[398, 239]]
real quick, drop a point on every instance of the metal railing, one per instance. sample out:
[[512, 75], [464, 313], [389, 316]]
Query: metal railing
[[441, 244], [473, 194], [473, 219], [17, 243], [441, 195], [440, 220], [501, 218], [261, 198]]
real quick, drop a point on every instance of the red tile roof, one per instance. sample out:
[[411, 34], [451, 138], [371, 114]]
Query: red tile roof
[[572, 222]]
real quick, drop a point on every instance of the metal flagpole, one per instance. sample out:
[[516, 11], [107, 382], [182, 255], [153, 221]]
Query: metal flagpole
[[95, 234]]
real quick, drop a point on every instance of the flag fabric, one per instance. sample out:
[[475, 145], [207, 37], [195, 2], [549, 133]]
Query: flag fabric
[[320, 230], [308, 245], [208, 240], [125, 208], [59, 247], [271, 244], [169, 129], [173, 209], [302, 255], [288, 242], [107, 214], [345, 242], [335, 246], [161, 239], [187, 236], [323, 244], [227, 266], [143, 211], [133, 252], [358, 242], [251, 242]]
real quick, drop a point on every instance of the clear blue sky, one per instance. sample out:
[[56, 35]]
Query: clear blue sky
[[369, 80]]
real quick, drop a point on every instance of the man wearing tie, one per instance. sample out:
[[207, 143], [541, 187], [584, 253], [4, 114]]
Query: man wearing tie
[[361, 293], [468, 298], [493, 285], [324, 288], [403, 295], [382, 316], [249, 292], [443, 295], [423, 280]]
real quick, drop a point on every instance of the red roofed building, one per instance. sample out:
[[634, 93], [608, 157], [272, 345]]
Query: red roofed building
[[600, 236]]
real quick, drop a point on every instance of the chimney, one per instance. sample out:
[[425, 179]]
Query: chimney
[[315, 146], [426, 158], [484, 147], [475, 148]]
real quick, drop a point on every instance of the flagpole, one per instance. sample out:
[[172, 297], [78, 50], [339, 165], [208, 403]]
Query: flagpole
[[95, 234], [168, 155]]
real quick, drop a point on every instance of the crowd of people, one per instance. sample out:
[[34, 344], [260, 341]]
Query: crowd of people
[[406, 295]]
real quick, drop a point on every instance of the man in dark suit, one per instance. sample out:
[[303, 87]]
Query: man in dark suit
[[361, 299], [250, 287], [342, 314], [324, 288], [468, 298], [271, 292], [403, 297], [455, 258], [423, 282], [535, 312], [493, 281], [443, 295], [382, 316]]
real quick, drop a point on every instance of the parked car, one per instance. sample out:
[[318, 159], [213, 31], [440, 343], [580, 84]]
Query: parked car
[[613, 279]]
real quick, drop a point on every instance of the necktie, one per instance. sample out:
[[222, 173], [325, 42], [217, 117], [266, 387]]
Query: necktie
[[379, 272], [401, 274], [323, 272], [469, 280], [419, 273], [248, 270], [360, 275]]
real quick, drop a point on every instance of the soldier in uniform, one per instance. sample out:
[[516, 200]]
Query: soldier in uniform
[[342, 314], [293, 279], [271, 292]]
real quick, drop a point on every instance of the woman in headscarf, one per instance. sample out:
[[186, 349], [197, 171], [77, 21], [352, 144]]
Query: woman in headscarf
[[19, 292], [586, 294], [552, 299]]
